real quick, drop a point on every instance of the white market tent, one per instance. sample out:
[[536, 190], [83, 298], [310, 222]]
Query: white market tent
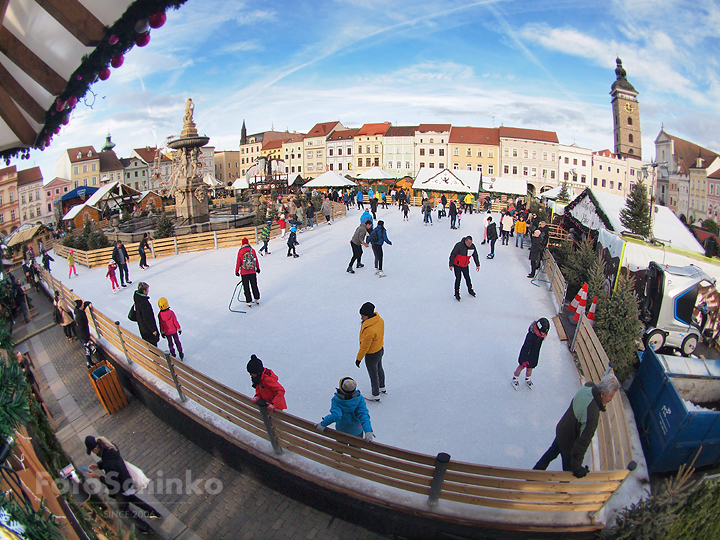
[[513, 185], [376, 173], [329, 179], [240, 183], [211, 181], [589, 207], [446, 180]]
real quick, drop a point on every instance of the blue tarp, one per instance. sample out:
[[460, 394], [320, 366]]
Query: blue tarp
[[79, 192]]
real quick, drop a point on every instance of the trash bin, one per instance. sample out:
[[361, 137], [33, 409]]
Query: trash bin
[[676, 403], [107, 387]]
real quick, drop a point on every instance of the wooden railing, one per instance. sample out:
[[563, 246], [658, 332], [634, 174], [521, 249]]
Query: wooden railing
[[163, 247], [614, 437], [558, 286], [467, 483]]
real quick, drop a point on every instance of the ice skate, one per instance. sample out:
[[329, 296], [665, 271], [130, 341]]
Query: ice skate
[[529, 383], [373, 398], [248, 304], [350, 270], [515, 383], [382, 274], [383, 391], [457, 296], [360, 265], [295, 256], [472, 293], [257, 302], [377, 271]]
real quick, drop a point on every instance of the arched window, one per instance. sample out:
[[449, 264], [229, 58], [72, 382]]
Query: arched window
[[631, 151], [629, 120], [630, 138]]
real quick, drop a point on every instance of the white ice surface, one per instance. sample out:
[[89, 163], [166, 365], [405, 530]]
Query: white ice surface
[[448, 364]]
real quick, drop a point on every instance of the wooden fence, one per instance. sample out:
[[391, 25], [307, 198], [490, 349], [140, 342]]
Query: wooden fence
[[558, 286], [163, 247], [436, 477]]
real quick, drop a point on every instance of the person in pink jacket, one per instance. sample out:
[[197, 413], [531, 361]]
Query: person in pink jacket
[[169, 327]]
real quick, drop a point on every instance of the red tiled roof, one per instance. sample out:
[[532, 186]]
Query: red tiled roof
[[28, 176], [686, 154], [109, 161], [322, 129], [438, 128], [373, 129], [8, 170], [474, 135], [273, 145], [530, 134], [73, 153], [604, 153], [344, 134], [401, 131]]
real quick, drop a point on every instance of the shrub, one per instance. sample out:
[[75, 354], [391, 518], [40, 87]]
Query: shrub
[[164, 228], [711, 226], [576, 268]]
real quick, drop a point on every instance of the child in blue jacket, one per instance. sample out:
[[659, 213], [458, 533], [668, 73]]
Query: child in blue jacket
[[349, 412], [377, 238]]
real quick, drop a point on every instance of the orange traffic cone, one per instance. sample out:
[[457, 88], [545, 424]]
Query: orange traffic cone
[[574, 304], [591, 314], [582, 305]]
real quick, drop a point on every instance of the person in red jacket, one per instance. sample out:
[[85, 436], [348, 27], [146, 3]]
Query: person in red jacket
[[460, 257], [248, 266], [169, 327], [266, 385]]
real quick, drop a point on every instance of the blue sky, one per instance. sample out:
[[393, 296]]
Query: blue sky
[[290, 64]]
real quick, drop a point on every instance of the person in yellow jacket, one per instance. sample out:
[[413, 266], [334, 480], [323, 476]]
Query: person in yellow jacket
[[468, 200], [521, 230], [372, 332]]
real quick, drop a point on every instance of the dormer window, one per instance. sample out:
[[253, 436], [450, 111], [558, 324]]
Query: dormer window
[[79, 155], [89, 153]]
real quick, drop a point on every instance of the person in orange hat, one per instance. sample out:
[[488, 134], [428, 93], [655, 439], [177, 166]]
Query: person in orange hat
[[247, 267]]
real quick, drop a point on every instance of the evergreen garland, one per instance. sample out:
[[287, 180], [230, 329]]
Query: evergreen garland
[[636, 214], [598, 210]]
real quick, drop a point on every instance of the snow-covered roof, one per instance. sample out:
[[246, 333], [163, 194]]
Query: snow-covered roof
[[376, 173], [446, 180], [514, 185], [115, 186], [75, 210], [240, 183], [329, 179], [211, 181]]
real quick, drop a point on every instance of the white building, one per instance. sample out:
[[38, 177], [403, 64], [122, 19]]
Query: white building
[[339, 146], [399, 151], [30, 188], [574, 167], [431, 146], [532, 154]]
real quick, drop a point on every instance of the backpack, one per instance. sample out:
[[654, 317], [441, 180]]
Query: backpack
[[374, 237], [248, 262]]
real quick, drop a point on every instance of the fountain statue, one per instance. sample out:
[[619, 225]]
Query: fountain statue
[[186, 184]]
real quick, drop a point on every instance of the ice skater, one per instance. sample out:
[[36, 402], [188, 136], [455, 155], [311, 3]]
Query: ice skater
[[111, 271], [530, 351], [491, 236], [247, 267], [460, 257], [266, 385], [372, 334], [357, 242], [170, 327], [142, 249], [348, 412], [292, 242], [46, 258], [265, 237], [376, 239], [71, 264]]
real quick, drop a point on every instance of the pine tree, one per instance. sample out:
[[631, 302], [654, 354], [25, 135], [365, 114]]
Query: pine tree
[[261, 214], [636, 214], [576, 268], [564, 195], [164, 228], [618, 327]]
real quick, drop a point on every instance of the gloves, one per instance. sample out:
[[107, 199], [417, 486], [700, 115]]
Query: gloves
[[258, 270], [163, 336], [369, 436], [581, 472], [357, 363], [255, 399], [319, 427], [270, 407], [237, 274]]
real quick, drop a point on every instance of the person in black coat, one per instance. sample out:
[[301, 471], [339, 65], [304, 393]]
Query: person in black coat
[[121, 257], [536, 251], [373, 207], [142, 248], [145, 315], [452, 212], [118, 480], [82, 328], [530, 351], [460, 257], [491, 235]]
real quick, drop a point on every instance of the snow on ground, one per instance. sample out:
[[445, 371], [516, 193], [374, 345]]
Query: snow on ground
[[448, 364]]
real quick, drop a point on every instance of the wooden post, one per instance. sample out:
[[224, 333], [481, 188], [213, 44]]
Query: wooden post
[[175, 241], [122, 343], [215, 238], [256, 234], [87, 260], [577, 331], [92, 318], [262, 405], [152, 249], [441, 465], [174, 377]]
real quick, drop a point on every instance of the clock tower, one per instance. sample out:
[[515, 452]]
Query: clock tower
[[626, 116]]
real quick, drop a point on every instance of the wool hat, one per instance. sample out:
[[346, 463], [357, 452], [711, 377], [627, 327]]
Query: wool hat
[[543, 325], [381, 223], [367, 309], [347, 386], [78, 303], [245, 242], [90, 443], [255, 365]]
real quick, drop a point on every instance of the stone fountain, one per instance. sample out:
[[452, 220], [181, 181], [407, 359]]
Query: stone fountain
[[191, 196]]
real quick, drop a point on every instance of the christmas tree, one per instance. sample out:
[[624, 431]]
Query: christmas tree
[[564, 195], [636, 214], [164, 227]]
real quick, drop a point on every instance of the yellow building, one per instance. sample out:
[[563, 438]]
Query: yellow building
[[474, 149], [80, 165], [314, 151], [368, 143], [9, 207]]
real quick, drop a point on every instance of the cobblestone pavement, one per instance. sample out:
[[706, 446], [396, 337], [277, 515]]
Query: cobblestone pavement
[[244, 508]]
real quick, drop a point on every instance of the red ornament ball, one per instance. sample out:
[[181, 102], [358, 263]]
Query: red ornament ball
[[66, 120], [72, 101], [104, 74], [78, 77], [113, 39], [59, 104], [117, 61], [157, 19], [56, 130], [142, 39]]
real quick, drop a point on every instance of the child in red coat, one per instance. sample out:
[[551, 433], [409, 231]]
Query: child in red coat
[[169, 327], [112, 267], [266, 385]]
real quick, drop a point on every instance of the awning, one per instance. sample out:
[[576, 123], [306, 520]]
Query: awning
[[329, 179], [455, 181], [376, 173]]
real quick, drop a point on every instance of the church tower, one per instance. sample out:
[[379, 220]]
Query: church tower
[[626, 116], [243, 134]]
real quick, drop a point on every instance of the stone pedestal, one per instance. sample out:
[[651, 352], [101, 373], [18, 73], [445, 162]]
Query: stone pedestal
[[188, 208]]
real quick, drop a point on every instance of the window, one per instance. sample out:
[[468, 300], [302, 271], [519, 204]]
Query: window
[[612, 184], [620, 185], [629, 120], [491, 169], [85, 168], [506, 169], [318, 166], [491, 153], [544, 173], [456, 151], [514, 170], [359, 148], [566, 176], [544, 156], [479, 168], [525, 154], [376, 163], [309, 154], [22, 199], [525, 171], [331, 166], [76, 170], [339, 166], [630, 138], [377, 148], [368, 162], [136, 175], [582, 179], [552, 175], [432, 151], [514, 153], [49, 208], [441, 165], [594, 181], [441, 152], [567, 160], [468, 152], [600, 167], [12, 215], [468, 166], [359, 162], [507, 152], [422, 164], [432, 165], [339, 152], [604, 182], [310, 166], [422, 151], [432, 141], [318, 153], [12, 196], [407, 165], [330, 153], [48, 193], [93, 167], [617, 170], [77, 183], [534, 154], [455, 166], [399, 165], [24, 216], [367, 149], [349, 150]]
